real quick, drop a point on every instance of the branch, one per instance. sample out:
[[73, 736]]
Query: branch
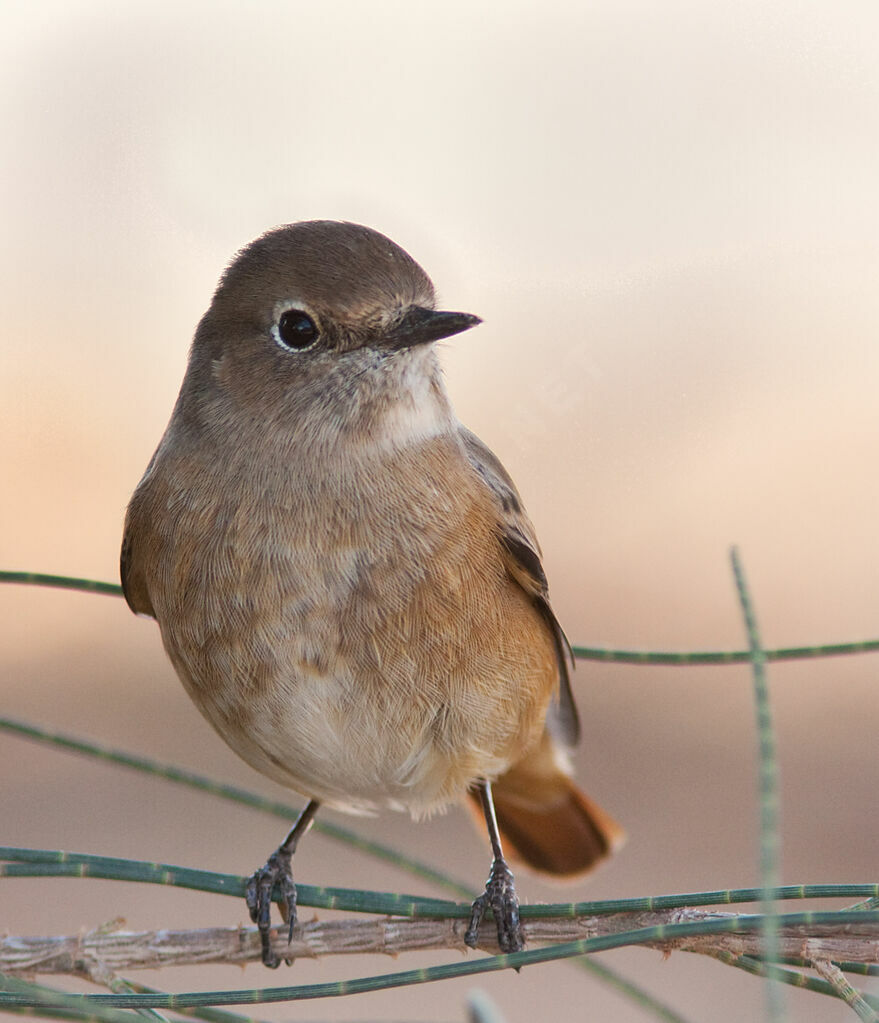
[[120, 951]]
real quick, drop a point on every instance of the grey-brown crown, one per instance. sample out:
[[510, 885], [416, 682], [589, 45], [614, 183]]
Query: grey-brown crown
[[330, 265]]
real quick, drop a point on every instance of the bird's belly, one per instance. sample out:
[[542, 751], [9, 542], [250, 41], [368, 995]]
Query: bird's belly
[[380, 655], [313, 736], [361, 727]]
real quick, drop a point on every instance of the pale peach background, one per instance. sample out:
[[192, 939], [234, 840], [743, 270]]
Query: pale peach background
[[667, 215]]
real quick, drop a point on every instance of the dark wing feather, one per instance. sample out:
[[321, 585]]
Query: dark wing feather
[[522, 551], [132, 589]]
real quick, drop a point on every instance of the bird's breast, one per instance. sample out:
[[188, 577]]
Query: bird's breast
[[353, 632]]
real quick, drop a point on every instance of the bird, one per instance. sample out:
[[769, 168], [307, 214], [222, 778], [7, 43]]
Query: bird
[[344, 576]]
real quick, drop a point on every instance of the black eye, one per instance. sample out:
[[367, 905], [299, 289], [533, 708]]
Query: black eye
[[297, 330]]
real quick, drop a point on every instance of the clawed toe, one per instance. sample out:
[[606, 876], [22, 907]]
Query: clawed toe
[[260, 886], [499, 896], [277, 874]]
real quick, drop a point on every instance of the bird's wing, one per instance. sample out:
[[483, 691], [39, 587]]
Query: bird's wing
[[522, 556], [133, 589]]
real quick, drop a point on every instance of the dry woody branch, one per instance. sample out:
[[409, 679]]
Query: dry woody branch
[[88, 954]]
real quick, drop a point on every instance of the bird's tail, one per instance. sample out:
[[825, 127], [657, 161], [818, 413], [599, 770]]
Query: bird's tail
[[545, 820]]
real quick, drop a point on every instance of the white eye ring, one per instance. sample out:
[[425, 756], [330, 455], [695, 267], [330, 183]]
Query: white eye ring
[[295, 329]]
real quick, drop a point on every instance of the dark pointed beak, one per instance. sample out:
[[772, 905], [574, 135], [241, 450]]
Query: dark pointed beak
[[420, 326]]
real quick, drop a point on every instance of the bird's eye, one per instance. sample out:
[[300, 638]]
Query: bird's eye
[[297, 330]]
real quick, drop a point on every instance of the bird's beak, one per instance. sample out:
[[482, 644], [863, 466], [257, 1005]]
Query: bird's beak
[[420, 326]]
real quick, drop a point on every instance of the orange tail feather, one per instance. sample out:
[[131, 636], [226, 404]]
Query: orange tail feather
[[545, 820]]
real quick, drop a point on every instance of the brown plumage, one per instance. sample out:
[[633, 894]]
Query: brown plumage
[[344, 576]]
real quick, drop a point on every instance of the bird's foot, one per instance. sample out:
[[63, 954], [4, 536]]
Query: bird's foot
[[260, 885], [500, 896]]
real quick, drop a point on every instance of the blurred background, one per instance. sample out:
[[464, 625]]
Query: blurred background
[[667, 216]]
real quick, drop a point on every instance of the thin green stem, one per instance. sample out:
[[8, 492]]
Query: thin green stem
[[871, 903], [55, 863], [694, 658], [768, 785], [758, 968], [853, 998], [56, 1004], [862, 969], [48, 863], [62, 582]]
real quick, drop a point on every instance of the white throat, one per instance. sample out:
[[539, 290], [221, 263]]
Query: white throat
[[416, 406]]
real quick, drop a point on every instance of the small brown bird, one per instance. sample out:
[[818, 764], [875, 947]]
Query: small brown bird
[[344, 576]]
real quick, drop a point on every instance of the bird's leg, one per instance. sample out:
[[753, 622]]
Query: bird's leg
[[500, 892], [277, 870]]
